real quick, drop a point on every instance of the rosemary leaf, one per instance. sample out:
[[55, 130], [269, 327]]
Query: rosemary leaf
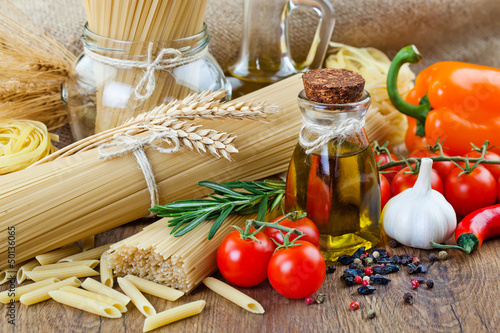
[[254, 197], [218, 222]]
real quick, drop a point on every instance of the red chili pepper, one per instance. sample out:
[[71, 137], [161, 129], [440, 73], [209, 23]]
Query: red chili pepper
[[479, 225]]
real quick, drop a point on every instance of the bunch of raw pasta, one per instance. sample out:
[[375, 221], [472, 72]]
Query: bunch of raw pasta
[[141, 22], [32, 68], [383, 121], [56, 274]]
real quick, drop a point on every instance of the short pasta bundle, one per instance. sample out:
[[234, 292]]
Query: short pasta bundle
[[178, 262]]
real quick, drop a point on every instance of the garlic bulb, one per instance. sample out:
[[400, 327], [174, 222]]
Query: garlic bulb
[[419, 215]]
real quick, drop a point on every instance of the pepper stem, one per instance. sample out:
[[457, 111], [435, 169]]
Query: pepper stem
[[466, 242], [408, 54]]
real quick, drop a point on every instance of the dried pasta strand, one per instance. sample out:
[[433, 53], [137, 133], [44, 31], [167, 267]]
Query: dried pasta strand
[[106, 272], [41, 294], [54, 256], [85, 304], [89, 263], [94, 296], [19, 291], [91, 254], [171, 315], [98, 288], [28, 267], [62, 273], [233, 295], [155, 289], [140, 302]]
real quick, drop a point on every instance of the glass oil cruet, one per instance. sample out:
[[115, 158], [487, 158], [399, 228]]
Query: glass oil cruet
[[333, 175], [264, 55]]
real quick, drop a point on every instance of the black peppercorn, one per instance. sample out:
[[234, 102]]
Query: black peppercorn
[[321, 298], [404, 261], [408, 298], [331, 269], [396, 259], [421, 269], [353, 266], [393, 243], [432, 257], [430, 284]]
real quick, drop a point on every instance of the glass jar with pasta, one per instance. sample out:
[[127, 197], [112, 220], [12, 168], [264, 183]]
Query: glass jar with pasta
[[114, 80]]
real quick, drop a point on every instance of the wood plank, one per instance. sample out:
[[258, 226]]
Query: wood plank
[[464, 299]]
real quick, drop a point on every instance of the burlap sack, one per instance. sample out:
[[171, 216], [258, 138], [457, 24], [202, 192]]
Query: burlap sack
[[463, 30]]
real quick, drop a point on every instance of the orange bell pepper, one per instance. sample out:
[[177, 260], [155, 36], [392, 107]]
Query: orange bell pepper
[[454, 101]]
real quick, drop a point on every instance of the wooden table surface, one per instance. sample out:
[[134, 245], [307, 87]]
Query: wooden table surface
[[464, 298]]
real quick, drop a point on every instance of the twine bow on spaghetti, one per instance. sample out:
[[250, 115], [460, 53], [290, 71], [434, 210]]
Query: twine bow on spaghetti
[[166, 58], [327, 133], [136, 145]]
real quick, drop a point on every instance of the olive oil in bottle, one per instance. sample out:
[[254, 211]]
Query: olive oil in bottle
[[339, 189]]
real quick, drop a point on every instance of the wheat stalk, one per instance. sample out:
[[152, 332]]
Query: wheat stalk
[[171, 119], [32, 67]]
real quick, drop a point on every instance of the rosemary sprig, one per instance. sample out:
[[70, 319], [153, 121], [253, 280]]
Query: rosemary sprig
[[241, 197]]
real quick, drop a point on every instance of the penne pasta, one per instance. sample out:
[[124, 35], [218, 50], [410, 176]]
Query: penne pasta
[[233, 295], [54, 256], [100, 298], [98, 288], [42, 294], [171, 315], [155, 289], [136, 297], [85, 304], [6, 275], [88, 243], [27, 267], [106, 272], [7, 295], [62, 273], [92, 254], [88, 263]]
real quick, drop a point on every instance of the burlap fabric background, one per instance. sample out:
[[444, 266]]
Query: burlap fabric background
[[463, 30]]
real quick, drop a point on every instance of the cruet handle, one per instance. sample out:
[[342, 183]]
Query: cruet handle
[[322, 36]]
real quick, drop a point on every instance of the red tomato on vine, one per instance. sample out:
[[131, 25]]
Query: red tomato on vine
[[303, 224], [243, 262], [297, 271], [467, 192], [493, 168], [383, 158]]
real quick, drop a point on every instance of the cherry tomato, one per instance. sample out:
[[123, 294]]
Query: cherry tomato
[[382, 158], [443, 168], [471, 191], [403, 181], [385, 191], [304, 224], [244, 262], [298, 271], [493, 168]]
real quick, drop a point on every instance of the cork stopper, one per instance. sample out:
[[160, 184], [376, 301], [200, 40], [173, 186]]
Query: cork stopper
[[333, 86]]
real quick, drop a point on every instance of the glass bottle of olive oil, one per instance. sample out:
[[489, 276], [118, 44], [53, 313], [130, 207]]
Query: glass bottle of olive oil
[[337, 183]]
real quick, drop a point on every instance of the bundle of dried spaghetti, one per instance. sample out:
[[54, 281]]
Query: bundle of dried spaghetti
[[383, 121], [178, 262], [32, 68], [22, 143], [150, 29], [82, 195]]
